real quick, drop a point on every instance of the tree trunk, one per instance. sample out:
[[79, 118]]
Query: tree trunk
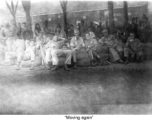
[[14, 18], [64, 9], [28, 20], [65, 22], [111, 17], [15, 27], [125, 12], [13, 9], [27, 8]]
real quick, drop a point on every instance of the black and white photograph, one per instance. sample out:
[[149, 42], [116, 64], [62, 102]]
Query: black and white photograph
[[65, 57]]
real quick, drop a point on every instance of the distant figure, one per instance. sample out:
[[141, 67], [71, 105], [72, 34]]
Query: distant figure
[[9, 35], [78, 27], [92, 27], [26, 34], [37, 29], [71, 32], [82, 29], [23, 29], [58, 25], [99, 31], [46, 29], [134, 27], [19, 28]]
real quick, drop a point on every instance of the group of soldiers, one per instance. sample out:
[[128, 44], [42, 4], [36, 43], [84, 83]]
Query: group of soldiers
[[51, 48]]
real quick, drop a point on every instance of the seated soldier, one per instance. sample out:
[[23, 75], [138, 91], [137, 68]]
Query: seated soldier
[[133, 48], [20, 53], [76, 44], [111, 42], [55, 57], [120, 43], [55, 49], [30, 53], [91, 43]]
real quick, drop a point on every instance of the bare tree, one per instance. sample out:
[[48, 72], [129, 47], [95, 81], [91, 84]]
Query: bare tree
[[111, 17], [27, 7], [13, 9], [64, 9], [125, 4]]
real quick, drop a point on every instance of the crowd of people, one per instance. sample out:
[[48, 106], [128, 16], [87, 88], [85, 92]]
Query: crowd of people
[[124, 44]]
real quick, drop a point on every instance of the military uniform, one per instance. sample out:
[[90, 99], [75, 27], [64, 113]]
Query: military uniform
[[133, 47], [91, 45], [76, 44], [111, 43], [55, 49]]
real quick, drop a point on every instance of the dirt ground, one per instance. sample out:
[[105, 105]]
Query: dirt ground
[[81, 91]]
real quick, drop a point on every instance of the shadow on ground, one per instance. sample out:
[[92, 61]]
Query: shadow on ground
[[82, 91]]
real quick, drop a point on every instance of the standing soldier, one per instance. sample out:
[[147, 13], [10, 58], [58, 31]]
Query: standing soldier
[[9, 35]]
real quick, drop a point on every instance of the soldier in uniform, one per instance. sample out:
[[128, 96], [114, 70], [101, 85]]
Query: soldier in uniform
[[55, 49], [91, 44], [76, 44], [111, 42], [133, 49]]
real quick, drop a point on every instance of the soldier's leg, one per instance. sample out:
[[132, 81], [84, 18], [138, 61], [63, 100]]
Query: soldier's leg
[[120, 51], [48, 56], [43, 55], [139, 56], [54, 54], [32, 55], [68, 54], [19, 59], [115, 54], [74, 52], [55, 60], [127, 52], [92, 55]]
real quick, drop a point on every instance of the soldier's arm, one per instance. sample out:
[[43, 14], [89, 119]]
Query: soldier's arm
[[140, 45], [115, 41], [95, 42], [127, 43], [82, 42], [47, 45], [101, 41], [72, 43]]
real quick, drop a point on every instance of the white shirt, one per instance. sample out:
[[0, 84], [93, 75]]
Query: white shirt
[[19, 45]]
